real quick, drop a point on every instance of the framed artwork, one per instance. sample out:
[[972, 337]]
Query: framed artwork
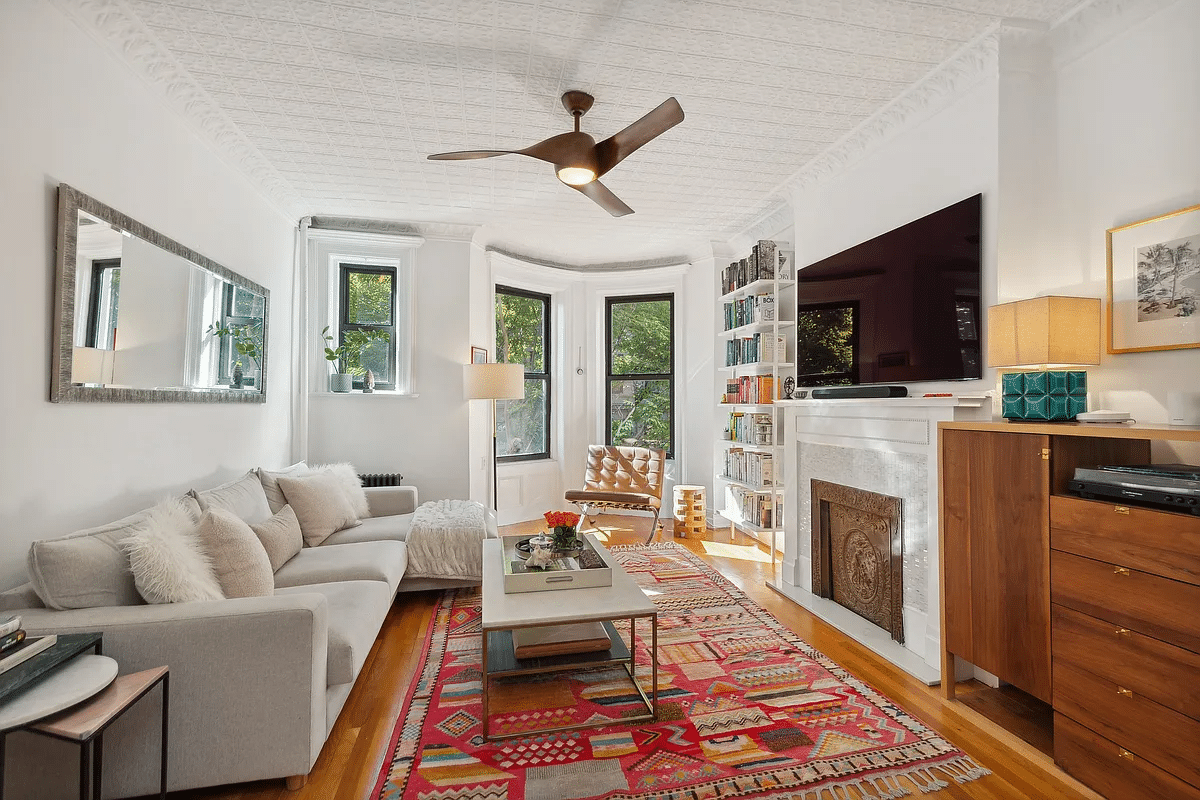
[[478, 355], [1154, 283]]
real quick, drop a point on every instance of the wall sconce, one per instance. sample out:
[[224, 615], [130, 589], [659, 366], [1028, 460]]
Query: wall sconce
[[1044, 332]]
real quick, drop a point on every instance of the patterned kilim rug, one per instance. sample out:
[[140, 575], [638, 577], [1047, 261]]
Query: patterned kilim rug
[[746, 709]]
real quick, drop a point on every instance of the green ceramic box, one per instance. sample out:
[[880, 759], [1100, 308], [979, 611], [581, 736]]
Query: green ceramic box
[[1043, 396]]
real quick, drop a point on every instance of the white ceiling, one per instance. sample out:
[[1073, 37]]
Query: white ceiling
[[332, 105]]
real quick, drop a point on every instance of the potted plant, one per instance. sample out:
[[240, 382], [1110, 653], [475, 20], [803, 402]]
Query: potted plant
[[346, 358], [247, 343]]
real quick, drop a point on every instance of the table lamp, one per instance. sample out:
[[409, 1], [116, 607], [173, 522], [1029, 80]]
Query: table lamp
[[1044, 332], [494, 382]]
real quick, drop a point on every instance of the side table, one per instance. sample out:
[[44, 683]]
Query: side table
[[40, 710]]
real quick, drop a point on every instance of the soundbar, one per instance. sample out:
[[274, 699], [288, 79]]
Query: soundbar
[[840, 392]]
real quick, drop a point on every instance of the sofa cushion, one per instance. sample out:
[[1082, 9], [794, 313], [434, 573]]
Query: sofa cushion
[[89, 568], [270, 483], [356, 613], [244, 497], [361, 561], [320, 505], [280, 537], [351, 485], [374, 529], [238, 558], [167, 558]]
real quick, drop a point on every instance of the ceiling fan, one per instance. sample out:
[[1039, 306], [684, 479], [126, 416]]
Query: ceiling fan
[[578, 159]]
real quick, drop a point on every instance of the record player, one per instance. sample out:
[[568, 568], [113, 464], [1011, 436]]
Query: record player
[[1175, 487]]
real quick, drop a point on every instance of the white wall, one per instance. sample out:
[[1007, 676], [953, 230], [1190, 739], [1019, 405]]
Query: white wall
[[424, 437], [1128, 116], [73, 114]]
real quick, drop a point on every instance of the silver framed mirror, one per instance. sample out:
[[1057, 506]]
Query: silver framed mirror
[[139, 318]]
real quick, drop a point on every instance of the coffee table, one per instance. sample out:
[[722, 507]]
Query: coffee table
[[502, 613]]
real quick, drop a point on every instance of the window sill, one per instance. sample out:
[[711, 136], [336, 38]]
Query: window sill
[[360, 393]]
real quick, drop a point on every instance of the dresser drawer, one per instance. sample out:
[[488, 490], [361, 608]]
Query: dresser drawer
[[1165, 738], [1111, 770], [1158, 607], [1166, 674], [1158, 542]]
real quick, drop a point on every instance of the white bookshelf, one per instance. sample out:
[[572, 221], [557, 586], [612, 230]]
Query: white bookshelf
[[759, 315]]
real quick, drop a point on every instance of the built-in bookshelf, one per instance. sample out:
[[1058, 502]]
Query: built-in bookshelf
[[756, 343]]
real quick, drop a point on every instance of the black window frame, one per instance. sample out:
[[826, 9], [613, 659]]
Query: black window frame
[[543, 376], [345, 268], [99, 267], [609, 377], [226, 355]]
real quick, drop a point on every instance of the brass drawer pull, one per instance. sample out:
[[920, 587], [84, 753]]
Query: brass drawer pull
[[1120, 570], [1121, 509], [1121, 631], [1123, 692], [1123, 753]]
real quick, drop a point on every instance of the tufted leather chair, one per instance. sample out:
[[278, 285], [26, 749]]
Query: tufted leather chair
[[621, 477]]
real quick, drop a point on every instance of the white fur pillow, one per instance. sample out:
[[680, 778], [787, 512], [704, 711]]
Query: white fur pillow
[[352, 486], [169, 564]]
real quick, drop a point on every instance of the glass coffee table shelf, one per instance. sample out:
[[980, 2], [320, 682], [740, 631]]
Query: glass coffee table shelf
[[502, 613]]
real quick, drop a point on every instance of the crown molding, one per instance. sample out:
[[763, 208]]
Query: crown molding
[[612, 266], [974, 62], [779, 216], [113, 25]]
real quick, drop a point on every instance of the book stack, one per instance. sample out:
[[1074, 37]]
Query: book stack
[[15, 646], [755, 508], [767, 261], [750, 466], [750, 389]]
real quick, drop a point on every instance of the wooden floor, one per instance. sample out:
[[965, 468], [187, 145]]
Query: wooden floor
[[348, 765]]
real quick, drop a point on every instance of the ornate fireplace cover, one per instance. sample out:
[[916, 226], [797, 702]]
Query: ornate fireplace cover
[[857, 553]]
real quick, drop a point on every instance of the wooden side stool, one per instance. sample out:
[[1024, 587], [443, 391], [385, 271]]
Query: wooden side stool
[[689, 511], [85, 723]]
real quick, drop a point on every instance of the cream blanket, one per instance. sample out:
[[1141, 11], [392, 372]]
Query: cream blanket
[[445, 540]]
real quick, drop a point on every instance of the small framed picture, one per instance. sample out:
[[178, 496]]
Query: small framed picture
[[478, 355], [1154, 283]]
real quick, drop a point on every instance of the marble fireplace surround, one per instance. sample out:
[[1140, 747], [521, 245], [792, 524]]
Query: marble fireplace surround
[[888, 446]]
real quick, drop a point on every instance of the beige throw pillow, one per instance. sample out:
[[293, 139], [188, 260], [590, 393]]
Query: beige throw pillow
[[238, 558], [280, 537], [270, 483], [320, 505], [169, 564], [352, 486], [244, 497]]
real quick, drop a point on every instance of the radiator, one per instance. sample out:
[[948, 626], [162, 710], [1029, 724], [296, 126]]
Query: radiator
[[382, 479]]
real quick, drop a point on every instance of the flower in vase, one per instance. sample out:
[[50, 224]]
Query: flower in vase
[[562, 525]]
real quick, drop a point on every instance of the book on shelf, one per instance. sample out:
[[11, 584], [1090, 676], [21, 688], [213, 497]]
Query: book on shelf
[[9, 624], [26, 650]]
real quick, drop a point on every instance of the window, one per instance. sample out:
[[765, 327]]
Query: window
[[242, 313], [367, 303], [523, 336], [102, 303], [640, 371]]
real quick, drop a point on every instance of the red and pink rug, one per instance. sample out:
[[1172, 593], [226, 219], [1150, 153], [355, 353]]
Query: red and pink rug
[[746, 709]]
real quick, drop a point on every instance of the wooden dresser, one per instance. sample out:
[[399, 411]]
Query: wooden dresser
[[1091, 606]]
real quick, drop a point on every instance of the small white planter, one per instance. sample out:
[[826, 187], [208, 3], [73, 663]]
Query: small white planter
[[341, 382]]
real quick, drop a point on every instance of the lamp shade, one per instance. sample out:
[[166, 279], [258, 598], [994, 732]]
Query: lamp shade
[[1043, 331], [92, 365], [494, 381]]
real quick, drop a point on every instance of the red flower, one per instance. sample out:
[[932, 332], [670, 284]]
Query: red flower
[[561, 519]]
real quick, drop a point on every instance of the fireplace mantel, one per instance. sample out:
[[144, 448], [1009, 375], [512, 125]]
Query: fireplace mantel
[[887, 446]]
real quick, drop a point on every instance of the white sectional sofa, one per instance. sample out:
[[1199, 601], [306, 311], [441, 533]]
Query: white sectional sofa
[[256, 682]]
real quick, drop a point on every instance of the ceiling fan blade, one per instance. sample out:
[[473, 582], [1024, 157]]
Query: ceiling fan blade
[[615, 148], [604, 198], [463, 155]]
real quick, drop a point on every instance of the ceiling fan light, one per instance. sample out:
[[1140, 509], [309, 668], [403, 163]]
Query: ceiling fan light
[[576, 176]]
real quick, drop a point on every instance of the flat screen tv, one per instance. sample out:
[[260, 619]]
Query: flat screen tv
[[900, 308]]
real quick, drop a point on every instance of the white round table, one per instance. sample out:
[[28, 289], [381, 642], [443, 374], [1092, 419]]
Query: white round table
[[73, 682]]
